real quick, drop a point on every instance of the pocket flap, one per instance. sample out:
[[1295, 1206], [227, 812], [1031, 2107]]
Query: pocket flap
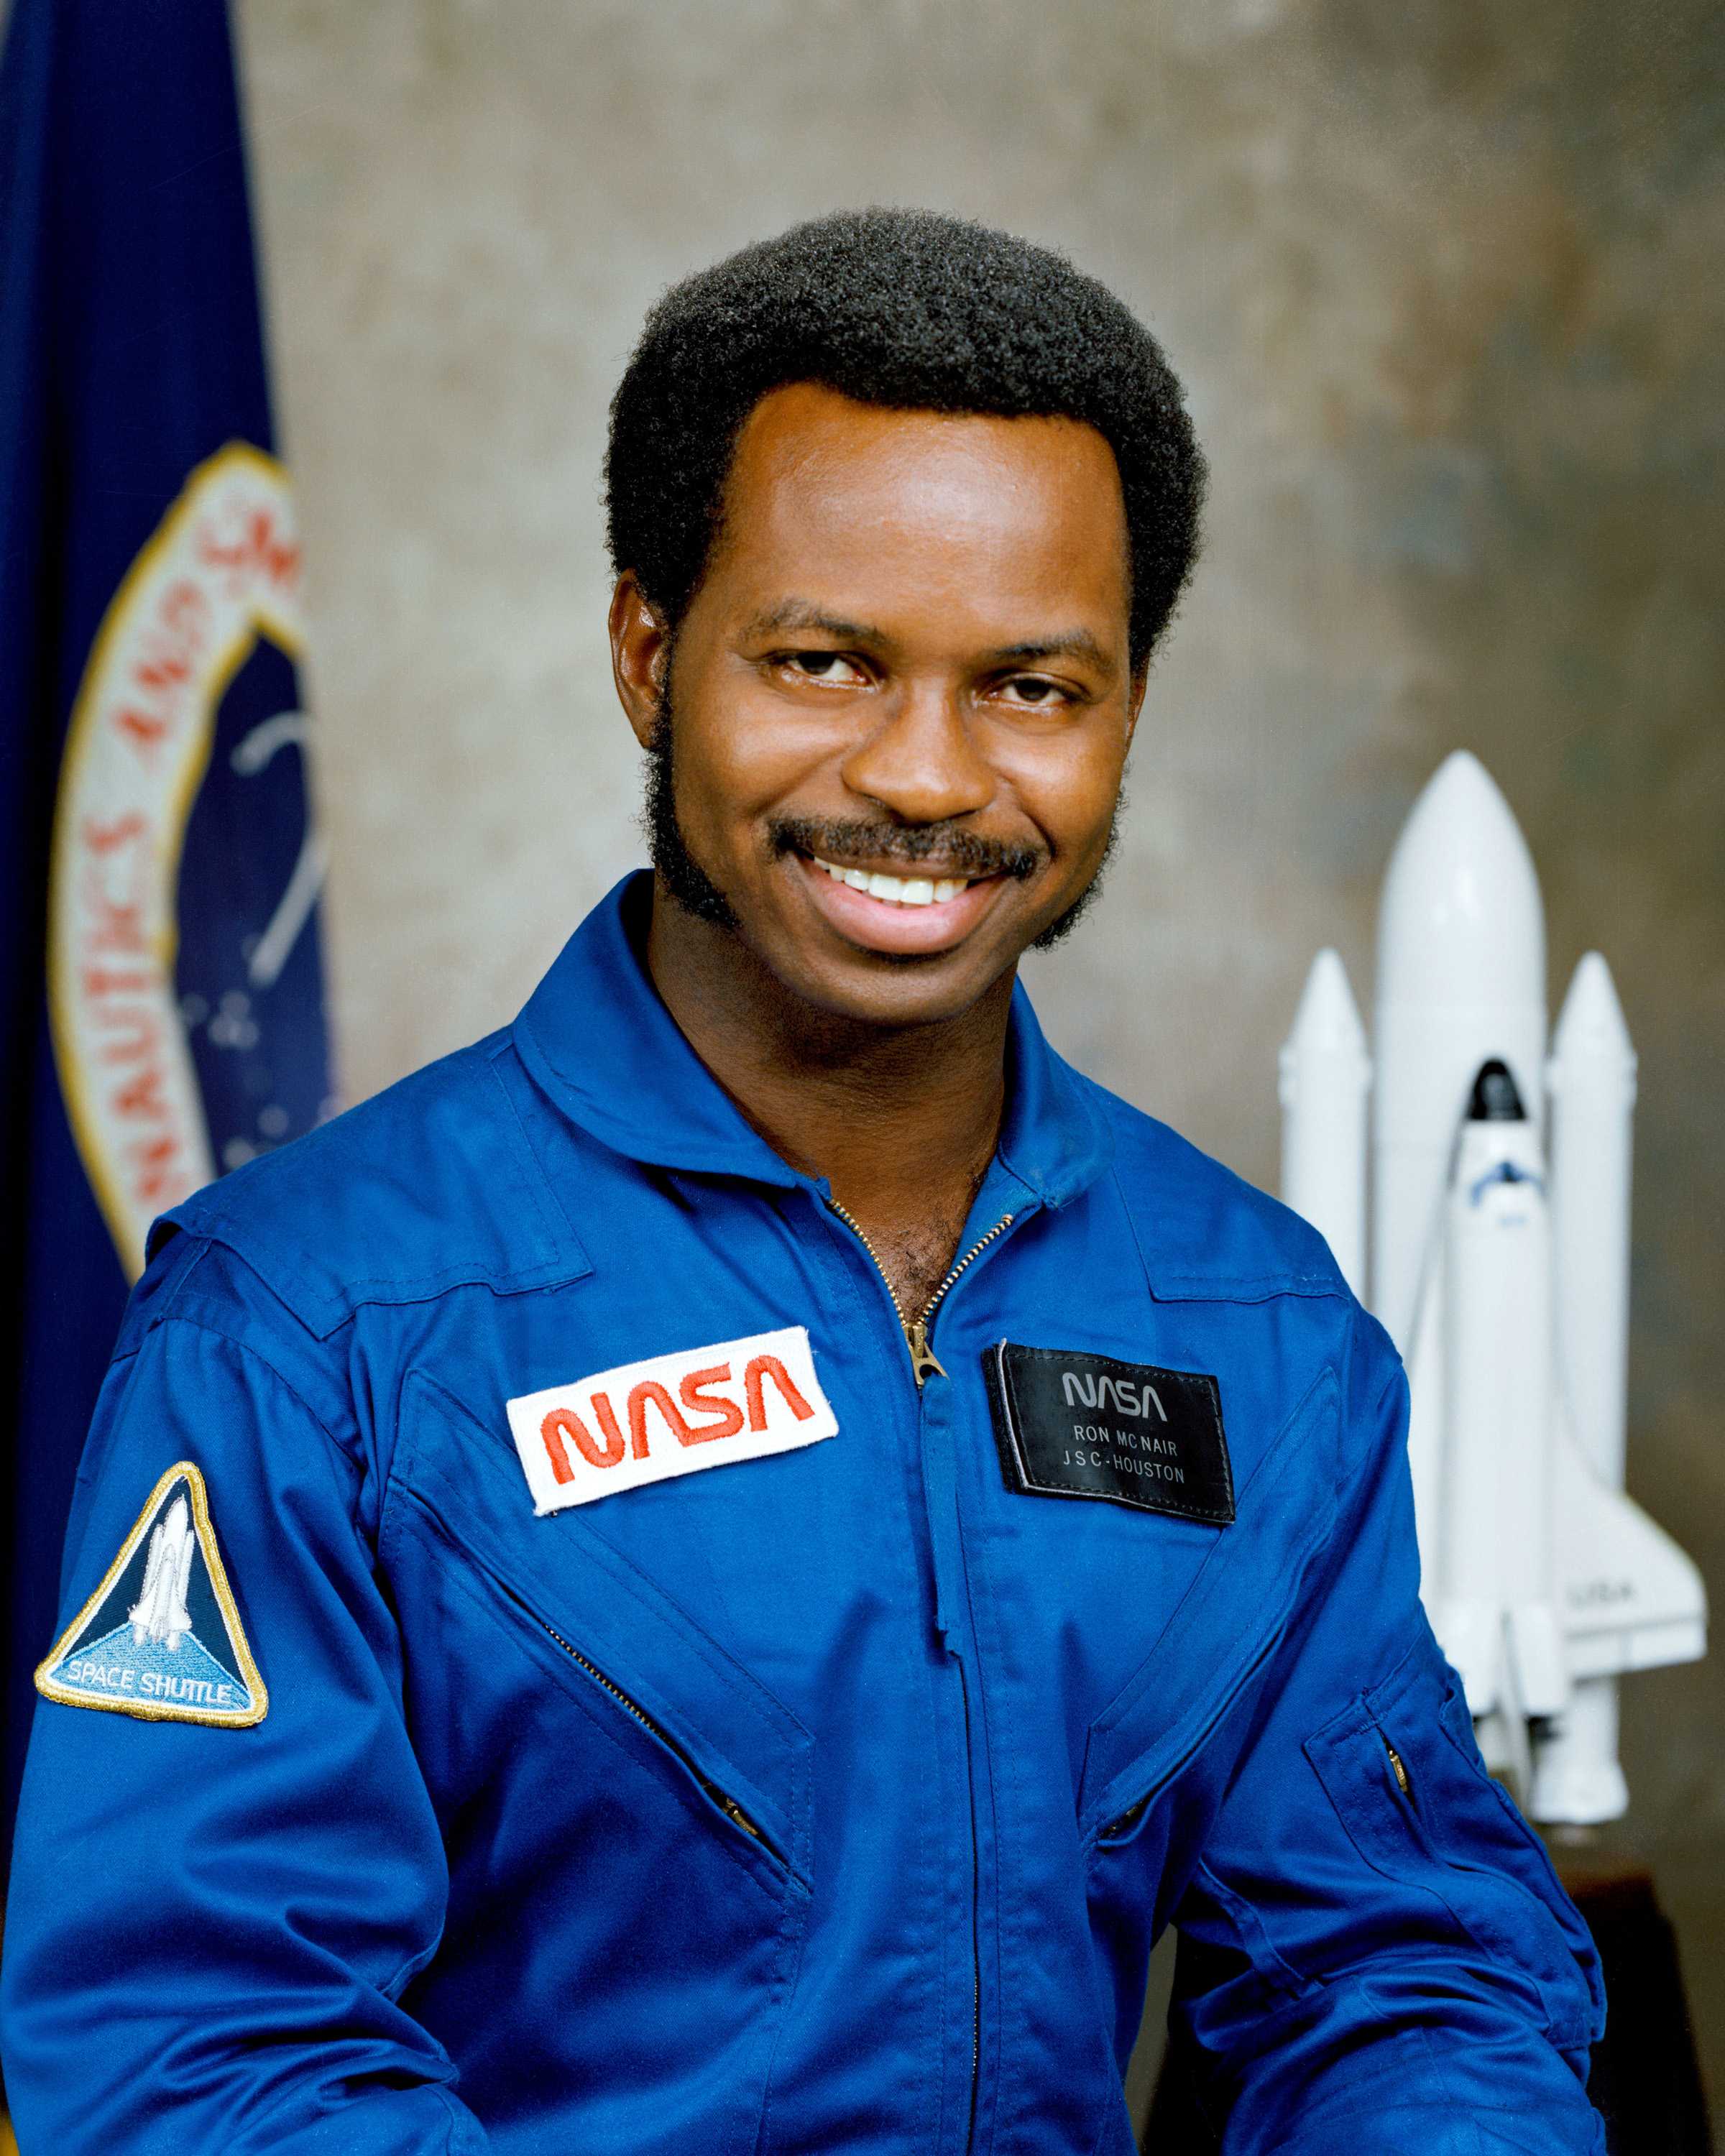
[[586, 1592], [1228, 1619]]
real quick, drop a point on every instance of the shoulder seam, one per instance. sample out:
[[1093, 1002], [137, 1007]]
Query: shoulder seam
[[324, 1301], [1188, 1286], [204, 1324], [208, 1234]]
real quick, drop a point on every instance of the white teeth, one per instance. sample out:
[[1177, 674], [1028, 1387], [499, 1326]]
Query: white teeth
[[896, 890]]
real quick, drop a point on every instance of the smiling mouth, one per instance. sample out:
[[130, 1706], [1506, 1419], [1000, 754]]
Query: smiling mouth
[[894, 890]]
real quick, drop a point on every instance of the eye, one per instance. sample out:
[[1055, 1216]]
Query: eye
[[1035, 692], [829, 667]]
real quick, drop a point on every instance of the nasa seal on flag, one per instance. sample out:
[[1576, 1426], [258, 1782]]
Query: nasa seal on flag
[[181, 959]]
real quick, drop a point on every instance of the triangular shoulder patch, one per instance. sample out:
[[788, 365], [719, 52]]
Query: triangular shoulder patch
[[160, 1637]]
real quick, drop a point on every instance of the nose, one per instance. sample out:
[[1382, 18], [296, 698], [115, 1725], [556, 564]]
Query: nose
[[921, 763]]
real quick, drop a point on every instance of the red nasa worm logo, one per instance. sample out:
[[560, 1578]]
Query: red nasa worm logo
[[670, 1416]]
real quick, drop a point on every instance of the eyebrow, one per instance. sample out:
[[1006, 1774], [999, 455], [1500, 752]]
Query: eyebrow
[[1075, 644], [803, 614]]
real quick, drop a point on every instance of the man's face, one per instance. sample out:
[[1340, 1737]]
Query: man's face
[[901, 698]]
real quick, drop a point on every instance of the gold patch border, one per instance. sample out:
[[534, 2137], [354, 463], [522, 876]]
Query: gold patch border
[[64, 1696]]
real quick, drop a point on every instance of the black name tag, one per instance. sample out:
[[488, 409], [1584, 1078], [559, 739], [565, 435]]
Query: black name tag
[[1071, 1424]]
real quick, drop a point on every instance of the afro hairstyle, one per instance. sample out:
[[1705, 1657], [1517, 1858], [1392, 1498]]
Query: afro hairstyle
[[916, 312]]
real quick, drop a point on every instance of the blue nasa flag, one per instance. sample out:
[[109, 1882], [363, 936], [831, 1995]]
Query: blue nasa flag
[[159, 865]]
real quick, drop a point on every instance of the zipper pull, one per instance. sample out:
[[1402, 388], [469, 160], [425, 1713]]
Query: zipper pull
[[733, 1810], [1402, 1781], [1124, 1824], [924, 1362]]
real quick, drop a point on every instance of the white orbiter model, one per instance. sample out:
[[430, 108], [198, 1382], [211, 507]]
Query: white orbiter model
[[1504, 1282], [160, 1612]]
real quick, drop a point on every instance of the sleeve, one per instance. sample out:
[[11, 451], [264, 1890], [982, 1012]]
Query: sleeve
[[1374, 1944], [213, 1908]]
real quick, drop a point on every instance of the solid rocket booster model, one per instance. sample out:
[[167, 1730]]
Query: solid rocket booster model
[[1499, 1264]]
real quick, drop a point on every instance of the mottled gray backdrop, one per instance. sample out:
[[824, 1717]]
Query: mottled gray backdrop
[[1443, 277]]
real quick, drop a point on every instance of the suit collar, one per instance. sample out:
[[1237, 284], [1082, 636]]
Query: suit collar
[[599, 1040]]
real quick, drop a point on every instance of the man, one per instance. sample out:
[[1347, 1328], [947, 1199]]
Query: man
[[708, 1573]]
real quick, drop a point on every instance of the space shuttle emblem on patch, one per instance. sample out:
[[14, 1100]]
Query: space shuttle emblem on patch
[[160, 1637]]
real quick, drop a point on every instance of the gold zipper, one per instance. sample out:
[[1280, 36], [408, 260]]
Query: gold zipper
[[1126, 1822], [924, 1362], [727, 1804], [1400, 1772]]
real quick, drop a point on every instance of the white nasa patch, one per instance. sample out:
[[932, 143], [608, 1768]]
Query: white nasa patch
[[160, 1637], [670, 1414]]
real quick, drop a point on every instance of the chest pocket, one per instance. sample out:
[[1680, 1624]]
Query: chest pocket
[[626, 1811], [616, 1630], [1225, 1626], [1401, 1768]]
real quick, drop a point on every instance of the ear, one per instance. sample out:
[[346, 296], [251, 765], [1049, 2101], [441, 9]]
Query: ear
[[641, 656], [1135, 701]]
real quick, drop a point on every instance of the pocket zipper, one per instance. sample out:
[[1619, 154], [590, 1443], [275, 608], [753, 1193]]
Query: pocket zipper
[[726, 1804], [1124, 1824], [1268, 1640], [1129, 1817], [719, 1799]]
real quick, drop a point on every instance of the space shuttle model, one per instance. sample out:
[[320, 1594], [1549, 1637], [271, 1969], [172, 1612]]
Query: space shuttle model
[[160, 1613], [1499, 1203]]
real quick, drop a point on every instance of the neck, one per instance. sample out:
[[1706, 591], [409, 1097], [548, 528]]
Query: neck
[[901, 1120]]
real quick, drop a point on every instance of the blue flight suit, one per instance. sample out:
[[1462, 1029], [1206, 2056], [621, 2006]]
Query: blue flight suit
[[829, 1800]]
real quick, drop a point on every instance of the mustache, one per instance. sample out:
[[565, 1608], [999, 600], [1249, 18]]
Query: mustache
[[840, 841]]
